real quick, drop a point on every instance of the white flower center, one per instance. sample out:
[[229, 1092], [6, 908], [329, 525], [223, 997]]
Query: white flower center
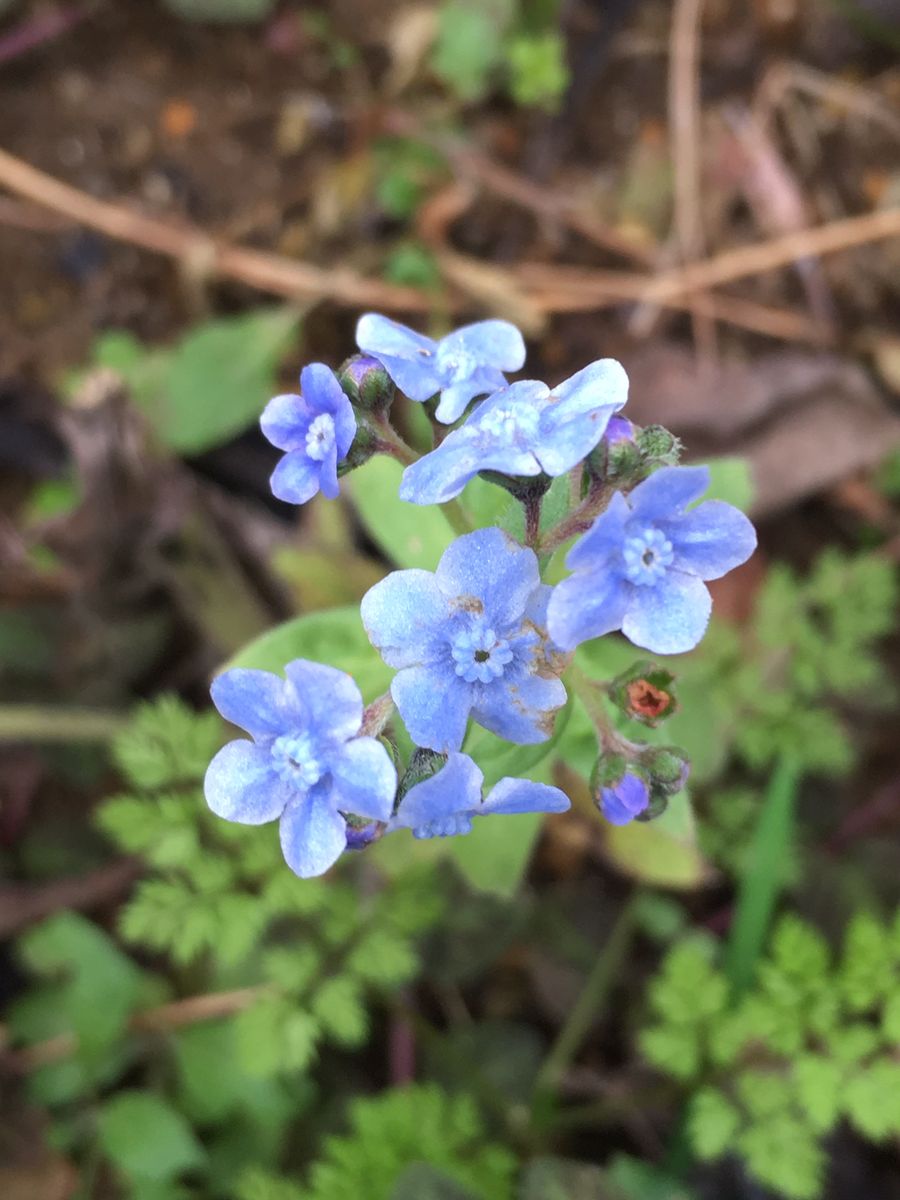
[[647, 555], [295, 759], [509, 423], [479, 656], [455, 364], [320, 437]]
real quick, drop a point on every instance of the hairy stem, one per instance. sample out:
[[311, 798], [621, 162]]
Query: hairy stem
[[578, 520]]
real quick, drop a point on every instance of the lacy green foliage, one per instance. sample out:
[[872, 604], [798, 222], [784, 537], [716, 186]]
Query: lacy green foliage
[[725, 832], [479, 41], [389, 1134], [775, 687], [814, 1042], [220, 894]]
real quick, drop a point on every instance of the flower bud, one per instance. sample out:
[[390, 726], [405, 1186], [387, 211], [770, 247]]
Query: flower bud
[[422, 765], [366, 383], [644, 693], [363, 446], [658, 447], [619, 791], [667, 768]]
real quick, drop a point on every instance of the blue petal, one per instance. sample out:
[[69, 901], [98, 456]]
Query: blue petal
[[285, 422], [403, 616], [521, 710], [524, 796], [329, 700], [328, 477], [578, 413], [434, 704], [254, 700], [323, 393], [587, 605], [313, 835], [668, 491], [364, 779], [442, 474], [455, 789], [407, 356], [622, 803], [296, 478], [491, 343], [671, 616], [487, 571], [603, 541], [710, 540], [455, 399], [241, 786]]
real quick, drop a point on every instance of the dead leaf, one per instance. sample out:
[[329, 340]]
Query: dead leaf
[[804, 421]]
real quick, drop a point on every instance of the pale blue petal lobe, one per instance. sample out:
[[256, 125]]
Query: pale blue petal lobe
[[710, 540], [241, 786], [587, 605], [493, 343], [441, 475], [524, 796], [313, 834], [285, 420], [329, 699], [670, 617], [668, 491], [434, 704], [402, 615], [296, 478], [364, 779], [253, 700], [603, 541], [488, 572], [456, 788], [523, 710]]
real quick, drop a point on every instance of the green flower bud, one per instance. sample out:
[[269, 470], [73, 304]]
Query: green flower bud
[[666, 767], [658, 447], [366, 383]]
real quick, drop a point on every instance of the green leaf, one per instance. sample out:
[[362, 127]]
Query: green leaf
[[211, 1084], [411, 535], [146, 1138], [100, 987], [221, 376], [818, 1082], [673, 1049], [662, 852], [785, 1156], [764, 877], [867, 973], [421, 1182], [336, 638], [469, 45], [871, 1100], [167, 743], [731, 480], [338, 1007], [712, 1124]]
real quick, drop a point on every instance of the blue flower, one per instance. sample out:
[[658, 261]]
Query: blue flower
[[305, 765], [316, 429], [625, 800], [469, 639], [523, 430], [444, 804], [641, 566], [466, 363]]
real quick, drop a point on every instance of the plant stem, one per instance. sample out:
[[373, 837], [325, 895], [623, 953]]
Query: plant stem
[[456, 516], [578, 521], [585, 1011], [762, 881], [40, 723], [532, 508], [390, 442], [593, 696]]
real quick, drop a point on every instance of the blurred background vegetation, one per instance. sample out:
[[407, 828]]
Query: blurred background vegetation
[[196, 198]]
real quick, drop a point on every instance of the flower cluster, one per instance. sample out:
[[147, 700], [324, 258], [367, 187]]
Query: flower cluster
[[482, 640]]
